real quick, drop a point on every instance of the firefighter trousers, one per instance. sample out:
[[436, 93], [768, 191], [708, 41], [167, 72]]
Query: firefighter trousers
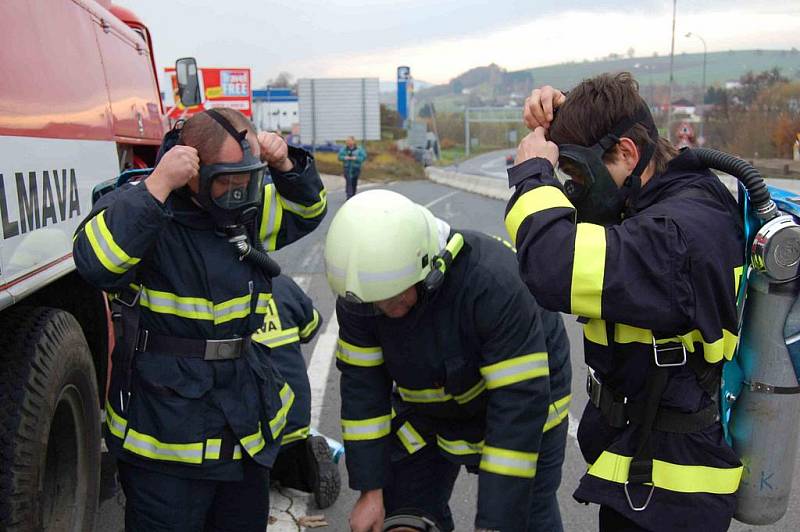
[[425, 481], [155, 502]]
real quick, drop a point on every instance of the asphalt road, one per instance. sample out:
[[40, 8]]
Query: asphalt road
[[304, 262], [492, 164]]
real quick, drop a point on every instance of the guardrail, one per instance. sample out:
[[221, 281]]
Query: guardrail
[[485, 186], [498, 188]]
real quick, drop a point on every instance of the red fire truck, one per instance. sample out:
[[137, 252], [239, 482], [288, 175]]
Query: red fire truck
[[79, 101]]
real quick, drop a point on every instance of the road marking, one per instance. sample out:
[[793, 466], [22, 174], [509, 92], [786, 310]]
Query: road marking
[[319, 368], [303, 281], [442, 198], [572, 430], [312, 256]]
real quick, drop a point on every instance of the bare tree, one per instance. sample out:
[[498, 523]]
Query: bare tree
[[282, 81]]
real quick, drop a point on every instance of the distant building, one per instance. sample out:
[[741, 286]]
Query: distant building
[[275, 109], [732, 84]]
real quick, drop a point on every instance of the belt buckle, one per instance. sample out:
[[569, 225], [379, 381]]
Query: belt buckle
[[658, 350], [120, 297], [630, 501], [223, 349], [594, 388]]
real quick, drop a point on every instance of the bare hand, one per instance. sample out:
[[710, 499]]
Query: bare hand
[[176, 168], [368, 513], [539, 106], [535, 145], [274, 151]]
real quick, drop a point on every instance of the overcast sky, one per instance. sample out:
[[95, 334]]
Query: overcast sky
[[439, 39]]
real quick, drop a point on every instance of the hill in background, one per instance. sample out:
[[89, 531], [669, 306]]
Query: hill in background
[[493, 85]]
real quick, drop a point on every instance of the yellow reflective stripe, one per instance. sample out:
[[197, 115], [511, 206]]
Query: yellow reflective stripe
[[359, 356], [429, 395], [186, 307], [673, 477], [505, 242], [595, 331], [306, 211], [713, 352], [459, 447], [277, 338], [237, 452], [277, 423], [306, 331], [533, 201], [472, 393], [588, 269], [557, 412], [148, 446], [262, 304], [116, 423], [737, 278], [515, 370], [107, 251], [196, 308], [226, 311], [366, 429], [213, 447], [296, 435], [410, 438], [271, 218], [254, 442], [508, 462]]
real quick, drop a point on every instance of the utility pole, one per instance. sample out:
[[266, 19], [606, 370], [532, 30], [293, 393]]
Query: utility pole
[[671, 72], [703, 97]]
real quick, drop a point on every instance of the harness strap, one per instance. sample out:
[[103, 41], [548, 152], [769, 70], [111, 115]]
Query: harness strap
[[619, 413]]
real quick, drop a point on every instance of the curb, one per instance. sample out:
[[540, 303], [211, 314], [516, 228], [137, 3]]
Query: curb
[[485, 186]]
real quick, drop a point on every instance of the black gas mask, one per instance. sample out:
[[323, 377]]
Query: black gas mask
[[587, 181], [231, 192]]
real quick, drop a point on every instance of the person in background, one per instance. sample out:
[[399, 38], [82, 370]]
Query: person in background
[[352, 157]]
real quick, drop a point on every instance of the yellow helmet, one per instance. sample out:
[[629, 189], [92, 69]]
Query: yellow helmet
[[379, 244]]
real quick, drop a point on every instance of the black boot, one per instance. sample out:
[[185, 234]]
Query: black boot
[[323, 474]]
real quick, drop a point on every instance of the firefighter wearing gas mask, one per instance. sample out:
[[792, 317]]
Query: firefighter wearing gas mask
[[194, 412], [446, 361], [644, 244]]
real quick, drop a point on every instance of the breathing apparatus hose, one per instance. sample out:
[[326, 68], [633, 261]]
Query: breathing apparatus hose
[[751, 178], [252, 253]]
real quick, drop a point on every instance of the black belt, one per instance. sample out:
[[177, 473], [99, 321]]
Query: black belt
[[148, 341], [619, 412]]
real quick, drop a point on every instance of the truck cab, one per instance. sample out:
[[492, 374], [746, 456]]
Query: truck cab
[[79, 102]]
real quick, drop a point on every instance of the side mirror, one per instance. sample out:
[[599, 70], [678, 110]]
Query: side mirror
[[188, 81]]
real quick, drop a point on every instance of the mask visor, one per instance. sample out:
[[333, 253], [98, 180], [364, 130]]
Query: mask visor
[[234, 186]]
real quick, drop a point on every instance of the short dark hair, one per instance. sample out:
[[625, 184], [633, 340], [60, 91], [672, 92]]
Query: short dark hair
[[207, 136], [595, 106]]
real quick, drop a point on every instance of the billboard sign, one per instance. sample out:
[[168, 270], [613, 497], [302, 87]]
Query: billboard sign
[[221, 87], [333, 109], [403, 78]]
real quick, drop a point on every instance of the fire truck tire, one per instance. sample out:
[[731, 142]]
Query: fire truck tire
[[49, 423]]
